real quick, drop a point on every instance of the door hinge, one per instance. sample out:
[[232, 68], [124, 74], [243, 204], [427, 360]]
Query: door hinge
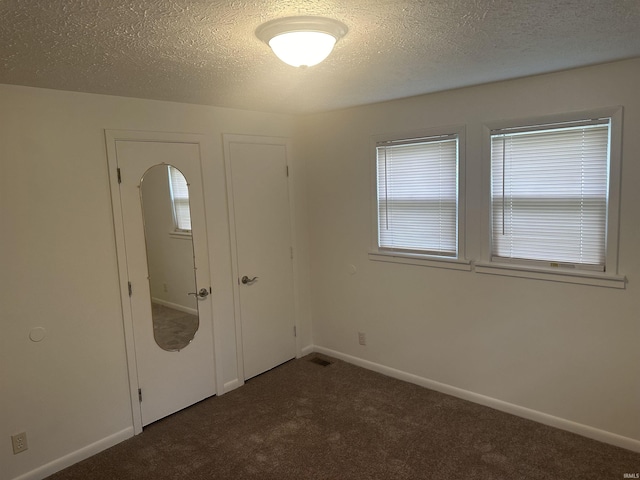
[[295, 331], [119, 176], [130, 289], [291, 249], [140, 395], [287, 170]]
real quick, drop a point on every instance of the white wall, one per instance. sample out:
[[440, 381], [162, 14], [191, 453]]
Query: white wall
[[59, 270], [565, 350]]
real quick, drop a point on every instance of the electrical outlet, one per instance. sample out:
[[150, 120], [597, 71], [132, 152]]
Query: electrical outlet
[[19, 442], [362, 338]]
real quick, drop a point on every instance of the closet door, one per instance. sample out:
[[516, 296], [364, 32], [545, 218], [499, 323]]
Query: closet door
[[258, 189], [167, 266]]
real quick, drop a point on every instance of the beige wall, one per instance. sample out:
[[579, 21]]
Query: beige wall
[[59, 269], [565, 350]]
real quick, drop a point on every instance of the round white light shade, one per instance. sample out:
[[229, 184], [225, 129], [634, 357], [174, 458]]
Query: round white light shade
[[301, 41], [300, 49]]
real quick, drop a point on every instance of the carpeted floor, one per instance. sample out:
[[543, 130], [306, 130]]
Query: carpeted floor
[[307, 421]]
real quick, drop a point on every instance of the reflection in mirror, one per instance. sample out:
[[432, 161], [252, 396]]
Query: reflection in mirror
[[167, 229]]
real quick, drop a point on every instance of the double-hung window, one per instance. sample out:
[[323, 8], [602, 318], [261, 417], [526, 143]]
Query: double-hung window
[[179, 200], [554, 197], [418, 197]]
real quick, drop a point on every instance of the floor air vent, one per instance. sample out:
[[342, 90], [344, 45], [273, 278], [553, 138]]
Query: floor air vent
[[320, 361]]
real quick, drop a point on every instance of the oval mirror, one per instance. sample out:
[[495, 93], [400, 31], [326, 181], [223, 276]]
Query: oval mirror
[[164, 193]]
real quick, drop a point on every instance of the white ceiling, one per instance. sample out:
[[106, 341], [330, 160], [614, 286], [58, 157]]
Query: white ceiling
[[206, 52]]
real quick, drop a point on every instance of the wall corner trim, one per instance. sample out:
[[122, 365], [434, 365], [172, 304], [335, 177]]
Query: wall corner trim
[[540, 417], [304, 351], [77, 456]]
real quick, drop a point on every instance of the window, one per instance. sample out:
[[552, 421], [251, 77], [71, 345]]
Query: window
[[180, 200], [549, 194], [554, 196], [417, 197]]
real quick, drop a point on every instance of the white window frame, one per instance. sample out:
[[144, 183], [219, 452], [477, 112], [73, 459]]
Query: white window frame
[[376, 253], [559, 273]]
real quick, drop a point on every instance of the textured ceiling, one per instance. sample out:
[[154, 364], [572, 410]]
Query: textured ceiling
[[206, 52]]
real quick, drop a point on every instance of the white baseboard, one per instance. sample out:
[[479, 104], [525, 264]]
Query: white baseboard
[[175, 306], [536, 416], [306, 350], [232, 385], [77, 456]]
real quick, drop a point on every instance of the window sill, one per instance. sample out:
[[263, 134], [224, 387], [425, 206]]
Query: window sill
[[420, 260], [180, 235], [579, 277]]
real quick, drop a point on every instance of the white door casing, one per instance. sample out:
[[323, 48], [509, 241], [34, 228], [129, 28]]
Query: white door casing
[[169, 381], [263, 247]]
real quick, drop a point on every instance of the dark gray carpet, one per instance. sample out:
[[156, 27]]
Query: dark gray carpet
[[307, 421]]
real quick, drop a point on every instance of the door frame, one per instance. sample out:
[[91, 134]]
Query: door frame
[[111, 137], [227, 140]]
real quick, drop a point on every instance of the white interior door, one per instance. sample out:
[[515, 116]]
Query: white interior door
[[170, 377], [260, 211]]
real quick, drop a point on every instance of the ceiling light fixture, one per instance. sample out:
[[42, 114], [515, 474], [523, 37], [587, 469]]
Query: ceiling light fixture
[[302, 41]]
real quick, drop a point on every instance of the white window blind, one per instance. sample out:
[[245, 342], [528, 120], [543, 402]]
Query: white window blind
[[417, 195], [180, 200], [549, 194]]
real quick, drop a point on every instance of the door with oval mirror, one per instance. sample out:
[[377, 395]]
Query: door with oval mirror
[[168, 270]]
